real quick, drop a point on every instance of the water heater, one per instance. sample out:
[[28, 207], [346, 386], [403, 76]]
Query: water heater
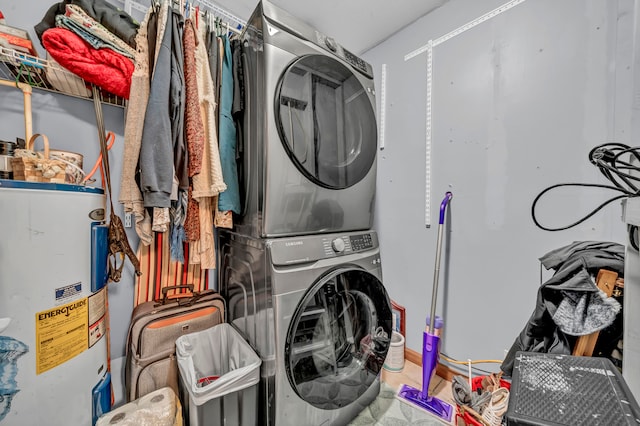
[[53, 304]]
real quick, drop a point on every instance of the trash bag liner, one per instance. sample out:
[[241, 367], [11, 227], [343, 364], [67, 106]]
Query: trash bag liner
[[216, 362]]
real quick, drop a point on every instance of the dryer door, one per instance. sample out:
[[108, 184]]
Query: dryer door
[[326, 121], [338, 338]]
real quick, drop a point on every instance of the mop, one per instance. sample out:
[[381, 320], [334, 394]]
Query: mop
[[430, 346]]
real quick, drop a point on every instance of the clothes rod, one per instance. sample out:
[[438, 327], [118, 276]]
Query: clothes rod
[[203, 17], [216, 10]]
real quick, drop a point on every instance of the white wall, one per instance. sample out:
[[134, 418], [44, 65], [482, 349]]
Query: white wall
[[518, 102]]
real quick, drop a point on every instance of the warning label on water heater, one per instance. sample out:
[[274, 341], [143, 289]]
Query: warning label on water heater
[[97, 317], [61, 334]]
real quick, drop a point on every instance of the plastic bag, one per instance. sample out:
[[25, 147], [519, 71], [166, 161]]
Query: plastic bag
[[216, 362]]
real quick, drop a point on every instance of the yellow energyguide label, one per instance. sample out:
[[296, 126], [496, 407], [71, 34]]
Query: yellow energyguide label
[[61, 333]]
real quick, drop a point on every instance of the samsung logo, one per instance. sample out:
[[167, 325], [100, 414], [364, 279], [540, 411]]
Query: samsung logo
[[293, 243]]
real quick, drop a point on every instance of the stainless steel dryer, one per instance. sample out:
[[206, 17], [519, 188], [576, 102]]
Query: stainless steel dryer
[[317, 313], [310, 132]]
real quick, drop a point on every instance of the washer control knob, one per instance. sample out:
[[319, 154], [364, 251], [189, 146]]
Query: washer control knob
[[337, 245], [331, 44]]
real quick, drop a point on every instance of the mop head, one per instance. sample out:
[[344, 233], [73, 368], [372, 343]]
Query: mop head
[[438, 408]]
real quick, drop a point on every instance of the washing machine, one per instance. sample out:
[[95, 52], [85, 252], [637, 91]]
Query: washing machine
[[310, 132], [315, 310]]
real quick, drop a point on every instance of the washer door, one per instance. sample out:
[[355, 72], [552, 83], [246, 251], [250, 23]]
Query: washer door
[[326, 121], [338, 338]]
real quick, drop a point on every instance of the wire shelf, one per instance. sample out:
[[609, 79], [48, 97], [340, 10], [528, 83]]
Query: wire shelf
[[46, 74]]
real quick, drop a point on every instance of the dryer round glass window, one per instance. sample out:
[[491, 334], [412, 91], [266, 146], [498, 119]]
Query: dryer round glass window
[[338, 338], [326, 121]]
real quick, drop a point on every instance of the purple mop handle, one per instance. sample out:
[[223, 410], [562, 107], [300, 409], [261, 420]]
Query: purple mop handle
[[443, 206], [436, 272], [430, 341]]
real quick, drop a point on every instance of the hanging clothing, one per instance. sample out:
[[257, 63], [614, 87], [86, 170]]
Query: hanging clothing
[[229, 200], [178, 235], [161, 220], [192, 218], [203, 251], [156, 151], [214, 66], [181, 179], [162, 215], [130, 195], [220, 50], [152, 36], [177, 104], [209, 182], [193, 118], [194, 129], [237, 111]]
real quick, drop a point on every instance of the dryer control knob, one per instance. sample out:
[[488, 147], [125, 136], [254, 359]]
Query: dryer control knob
[[337, 245], [331, 44]]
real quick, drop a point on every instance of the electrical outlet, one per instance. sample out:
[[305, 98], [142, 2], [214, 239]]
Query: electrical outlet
[[127, 220]]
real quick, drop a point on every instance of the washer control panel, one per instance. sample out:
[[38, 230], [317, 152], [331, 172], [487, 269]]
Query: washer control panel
[[345, 244], [338, 245], [361, 242], [310, 248]]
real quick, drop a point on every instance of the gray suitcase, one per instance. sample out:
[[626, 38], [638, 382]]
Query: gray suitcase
[[155, 326]]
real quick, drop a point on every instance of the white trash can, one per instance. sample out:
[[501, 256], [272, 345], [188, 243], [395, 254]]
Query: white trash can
[[219, 376]]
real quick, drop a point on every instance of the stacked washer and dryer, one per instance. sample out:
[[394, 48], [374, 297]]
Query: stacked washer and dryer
[[301, 272]]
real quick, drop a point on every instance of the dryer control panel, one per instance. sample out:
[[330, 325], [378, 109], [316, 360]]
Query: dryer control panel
[[331, 45]]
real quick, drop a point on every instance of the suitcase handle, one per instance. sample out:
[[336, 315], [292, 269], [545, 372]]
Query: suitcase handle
[[166, 290]]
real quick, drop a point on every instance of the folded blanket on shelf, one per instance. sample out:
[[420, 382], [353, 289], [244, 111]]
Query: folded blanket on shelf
[[91, 31], [102, 67], [114, 19]]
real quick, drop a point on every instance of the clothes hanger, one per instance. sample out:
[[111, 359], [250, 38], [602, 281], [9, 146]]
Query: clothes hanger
[[205, 20]]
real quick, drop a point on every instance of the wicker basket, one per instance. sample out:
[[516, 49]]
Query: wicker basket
[[36, 167]]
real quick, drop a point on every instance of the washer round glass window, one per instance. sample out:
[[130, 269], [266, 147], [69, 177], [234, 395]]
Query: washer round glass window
[[338, 338], [326, 121]]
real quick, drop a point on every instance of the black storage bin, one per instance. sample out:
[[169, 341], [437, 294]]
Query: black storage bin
[[552, 389]]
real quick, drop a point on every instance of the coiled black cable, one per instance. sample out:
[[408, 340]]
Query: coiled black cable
[[609, 160]]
